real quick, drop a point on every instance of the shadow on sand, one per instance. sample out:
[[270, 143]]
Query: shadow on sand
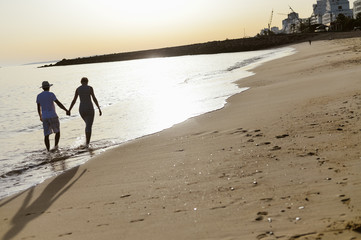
[[33, 209]]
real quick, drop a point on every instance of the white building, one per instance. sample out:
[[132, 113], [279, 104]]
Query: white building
[[326, 11], [356, 8], [319, 9]]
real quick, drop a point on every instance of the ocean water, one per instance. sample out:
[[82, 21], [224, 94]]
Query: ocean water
[[138, 98]]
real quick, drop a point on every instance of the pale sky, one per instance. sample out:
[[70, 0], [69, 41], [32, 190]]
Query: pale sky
[[45, 30]]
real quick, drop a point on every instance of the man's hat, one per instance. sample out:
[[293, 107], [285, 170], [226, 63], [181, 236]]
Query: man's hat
[[46, 84]]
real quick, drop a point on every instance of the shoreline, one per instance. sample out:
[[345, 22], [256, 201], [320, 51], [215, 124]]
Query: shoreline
[[67, 156], [280, 160]]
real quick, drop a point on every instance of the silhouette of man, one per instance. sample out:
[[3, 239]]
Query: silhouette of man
[[46, 110]]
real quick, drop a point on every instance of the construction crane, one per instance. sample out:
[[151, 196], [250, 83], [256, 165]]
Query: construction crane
[[291, 8], [296, 15], [270, 21]]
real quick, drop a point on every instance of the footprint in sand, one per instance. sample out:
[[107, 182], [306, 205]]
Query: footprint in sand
[[137, 220], [356, 227], [264, 143], [260, 216], [102, 225], [282, 136], [275, 148], [220, 207], [125, 196], [65, 234], [239, 130], [346, 201]]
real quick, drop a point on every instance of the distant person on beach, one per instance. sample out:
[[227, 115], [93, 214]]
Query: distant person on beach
[[86, 109], [46, 110]]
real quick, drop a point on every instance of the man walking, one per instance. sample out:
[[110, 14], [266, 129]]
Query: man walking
[[46, 110]]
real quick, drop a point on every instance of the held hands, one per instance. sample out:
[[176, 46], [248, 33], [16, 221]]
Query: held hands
[[68, 113]]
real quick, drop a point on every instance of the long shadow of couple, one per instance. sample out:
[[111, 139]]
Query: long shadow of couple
[[31, 210]]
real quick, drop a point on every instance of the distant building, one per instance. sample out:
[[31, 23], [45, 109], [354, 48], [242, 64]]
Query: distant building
[[326, 11], [291, 23], [319, 9], [356, 8], [274, 30]]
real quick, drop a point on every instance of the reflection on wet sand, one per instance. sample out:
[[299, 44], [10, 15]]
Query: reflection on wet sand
[[42, 165]]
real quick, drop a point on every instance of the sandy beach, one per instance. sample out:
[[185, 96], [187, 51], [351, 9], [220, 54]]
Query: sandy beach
[[280, 161]]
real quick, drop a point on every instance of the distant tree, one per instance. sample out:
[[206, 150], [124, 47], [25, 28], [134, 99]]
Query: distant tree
[[305, 26], [358, 16], [358, 20], [341, 18], [343, 23]]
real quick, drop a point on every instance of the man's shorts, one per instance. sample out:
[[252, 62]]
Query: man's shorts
[[51, 125]]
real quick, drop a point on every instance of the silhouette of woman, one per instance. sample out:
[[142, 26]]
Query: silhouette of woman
[[86, 109]]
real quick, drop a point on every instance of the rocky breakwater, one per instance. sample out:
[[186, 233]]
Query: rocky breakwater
[[226, 46]]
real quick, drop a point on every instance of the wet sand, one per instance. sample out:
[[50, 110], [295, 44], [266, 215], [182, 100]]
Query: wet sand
[[280, 161]]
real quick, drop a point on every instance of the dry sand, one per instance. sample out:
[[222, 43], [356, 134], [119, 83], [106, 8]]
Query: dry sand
[[280, 161]]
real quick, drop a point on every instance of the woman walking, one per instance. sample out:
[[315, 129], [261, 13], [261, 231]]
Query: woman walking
[[86, 109]]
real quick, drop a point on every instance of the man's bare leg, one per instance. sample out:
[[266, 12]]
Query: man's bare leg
[[57, 138], [47, 143]]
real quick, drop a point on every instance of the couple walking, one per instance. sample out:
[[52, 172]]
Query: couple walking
[[46, 110]]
